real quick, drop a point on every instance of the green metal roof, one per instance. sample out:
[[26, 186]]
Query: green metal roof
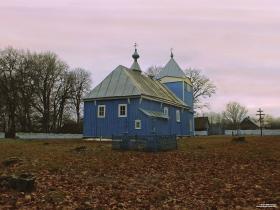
[[116, 84], [124, 82], [135, 66], [171, 69], [154, 113]]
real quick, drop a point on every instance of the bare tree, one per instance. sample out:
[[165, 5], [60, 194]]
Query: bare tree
[[38, 92], [153, 70], [65, 95], [203, 87], [81, 85], [235, 113], [215, 118], [3, 115], [49, 70], [26, 92], [271, 122], [10, 60]]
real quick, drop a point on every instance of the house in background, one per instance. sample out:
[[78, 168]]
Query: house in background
[[201, 126], [129, 102], [248, 124], [249, 127]]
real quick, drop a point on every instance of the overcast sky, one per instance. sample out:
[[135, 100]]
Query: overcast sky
[[234, 42]]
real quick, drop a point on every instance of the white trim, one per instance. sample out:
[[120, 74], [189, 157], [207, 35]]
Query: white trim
[[135, 124], [119, 110], [168, 79], [98, 107], [178, 115], [166, 111]]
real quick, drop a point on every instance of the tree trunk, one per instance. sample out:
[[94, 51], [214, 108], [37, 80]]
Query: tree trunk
[[78, 114], [11, 132]]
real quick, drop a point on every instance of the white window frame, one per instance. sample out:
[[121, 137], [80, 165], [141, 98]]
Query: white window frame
[[119, 110], [136, 123], [166, 111], [178, 116], [98, 111]]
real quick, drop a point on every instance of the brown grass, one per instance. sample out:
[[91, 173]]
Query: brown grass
[[206, 172]]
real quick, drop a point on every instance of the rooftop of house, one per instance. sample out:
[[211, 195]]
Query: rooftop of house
[[247, 122], [129, 82], [123, 82]]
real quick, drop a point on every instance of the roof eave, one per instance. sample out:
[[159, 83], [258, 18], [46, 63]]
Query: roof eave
[[165, 101], [111, 98]]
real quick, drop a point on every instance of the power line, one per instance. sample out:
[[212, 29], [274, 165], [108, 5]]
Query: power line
[[260, 114]]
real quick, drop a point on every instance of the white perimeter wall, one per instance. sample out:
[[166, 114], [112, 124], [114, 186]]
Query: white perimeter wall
[[201, 133], [48, 136], [266, 132], [2, 135]]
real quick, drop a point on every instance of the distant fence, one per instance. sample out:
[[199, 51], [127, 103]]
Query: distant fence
[[266, 132], [201, 133], [153, 143], [48, 136], [2, 135]]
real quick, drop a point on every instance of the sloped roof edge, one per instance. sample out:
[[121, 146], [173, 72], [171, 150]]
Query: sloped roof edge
[[156, 114]]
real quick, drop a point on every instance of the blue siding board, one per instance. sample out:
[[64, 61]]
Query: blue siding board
[[88, 119], [114, 125], [176, 88], [188, 95]]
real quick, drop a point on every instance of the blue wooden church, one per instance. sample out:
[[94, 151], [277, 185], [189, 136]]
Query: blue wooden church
[[130, 102]]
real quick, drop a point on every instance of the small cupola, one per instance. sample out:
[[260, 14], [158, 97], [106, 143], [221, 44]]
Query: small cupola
[[135, 66], [171, 69]]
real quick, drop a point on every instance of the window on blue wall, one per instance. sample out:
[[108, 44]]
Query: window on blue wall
[[101, 111], [178, 116], [137, 124], [122, 110], [165, 110]]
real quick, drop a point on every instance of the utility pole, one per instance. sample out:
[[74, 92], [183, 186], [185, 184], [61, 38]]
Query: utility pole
[[261, 117]]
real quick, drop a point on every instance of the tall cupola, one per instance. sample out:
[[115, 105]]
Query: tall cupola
[[135, 66]]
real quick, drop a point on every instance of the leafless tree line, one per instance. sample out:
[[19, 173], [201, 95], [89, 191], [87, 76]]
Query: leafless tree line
[[230, 118], [38, 91], [235, 113]]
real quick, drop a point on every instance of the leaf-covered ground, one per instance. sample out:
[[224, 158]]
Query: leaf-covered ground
[[204, 173]]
